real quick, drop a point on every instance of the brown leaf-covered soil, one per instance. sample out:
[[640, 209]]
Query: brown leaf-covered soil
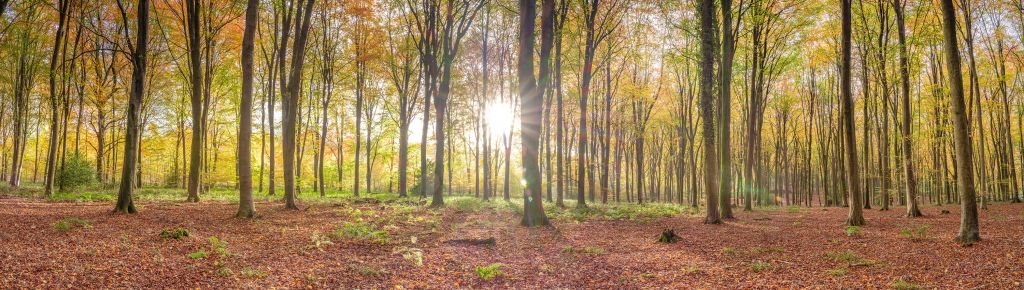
[[779, 248]]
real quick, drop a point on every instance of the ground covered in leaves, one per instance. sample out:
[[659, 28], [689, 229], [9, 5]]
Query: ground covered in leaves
[[386, 243]]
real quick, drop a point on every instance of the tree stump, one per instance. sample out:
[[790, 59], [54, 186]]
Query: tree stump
[[668, 236]]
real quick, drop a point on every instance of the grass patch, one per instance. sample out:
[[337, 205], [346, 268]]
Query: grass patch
[[838, 272], [174, 233], [729, 251], [760, 266], [466, 204], [852, 231], [793, 209], [916, 233], [690, 269], [252, 273], [901, 284], [849, 257], [367, 270], [767, 250], [198, 255], [361, 231], [225, 272], [70, 223], [490, 272]]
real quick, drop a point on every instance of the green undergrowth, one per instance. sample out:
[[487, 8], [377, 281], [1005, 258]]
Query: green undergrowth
[[70, 223]]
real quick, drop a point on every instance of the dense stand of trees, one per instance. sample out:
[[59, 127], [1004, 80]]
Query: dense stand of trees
[[711, 104]]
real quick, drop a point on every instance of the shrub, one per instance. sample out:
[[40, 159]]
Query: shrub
[[220, 247], [70, 223], [490, 271], [852, 231], [174, 233], [77, 172], [916, 233], [418, 186]]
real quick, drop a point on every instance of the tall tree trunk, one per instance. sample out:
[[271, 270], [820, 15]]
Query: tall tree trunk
[[962, 140], [708, 54], [908, 153], [290, 98], [193, 33], [856, 217], [138, 87], [246, 207], [531, 105], [724, 117], [58, 42]]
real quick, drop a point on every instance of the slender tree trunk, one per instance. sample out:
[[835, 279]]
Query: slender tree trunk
[[908, 153]]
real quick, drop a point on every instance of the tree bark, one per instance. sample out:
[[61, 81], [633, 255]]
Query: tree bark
[[908, 153], [138, 85], [246, 207], [856, 217], [962, 140], [708, 54]]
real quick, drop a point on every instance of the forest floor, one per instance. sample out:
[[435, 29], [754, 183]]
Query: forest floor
[[388, 243]]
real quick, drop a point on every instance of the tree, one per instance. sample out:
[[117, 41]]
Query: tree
[[961, 139], [402, 71], [246, 208], [597, 30], [192, 30], [138, 87], [908, 152], [59, 42], [440, 37], [290, 97], [724, 110], [856, 217], [708, 54], [531, 106]]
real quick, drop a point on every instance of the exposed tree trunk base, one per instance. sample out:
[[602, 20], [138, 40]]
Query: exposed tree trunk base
[[967, 239], [246, 214], [855, 221], [668, 236]]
